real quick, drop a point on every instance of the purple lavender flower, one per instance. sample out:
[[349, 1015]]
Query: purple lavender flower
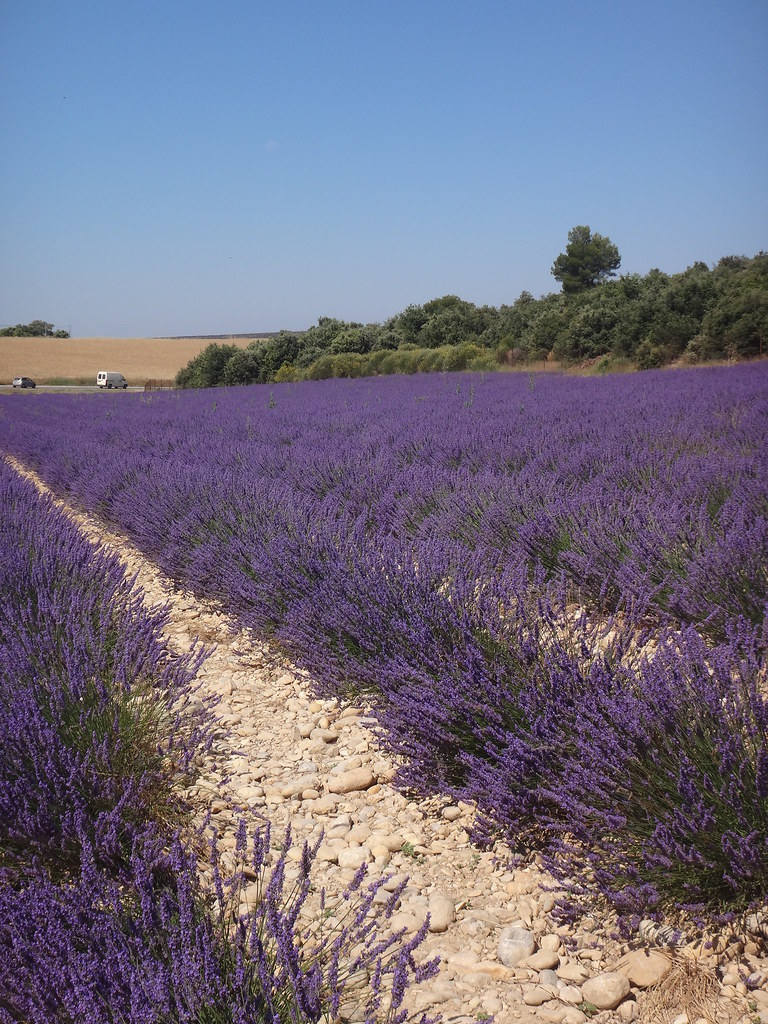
[[430, 555]]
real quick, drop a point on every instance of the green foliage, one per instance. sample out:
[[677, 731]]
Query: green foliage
[[649, 356], [587, 261], [587, 1008], [35, 329], [206, 370], [321, 369], [409, 850], [735, 324], [355, 339], [647, 321], [408, 324], [285, 374], [276, 352], [244, 366], [547, 331]]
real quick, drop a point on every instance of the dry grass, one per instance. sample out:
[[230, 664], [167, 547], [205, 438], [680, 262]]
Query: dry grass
[[78, 360], [689, 986]]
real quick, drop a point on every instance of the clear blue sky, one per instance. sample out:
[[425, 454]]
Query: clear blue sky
[[228, 166]]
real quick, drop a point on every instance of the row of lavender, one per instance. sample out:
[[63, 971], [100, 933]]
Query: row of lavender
[[426, 540], [102, 915]]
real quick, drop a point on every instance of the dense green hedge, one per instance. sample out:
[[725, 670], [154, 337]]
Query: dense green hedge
[[699, 315]]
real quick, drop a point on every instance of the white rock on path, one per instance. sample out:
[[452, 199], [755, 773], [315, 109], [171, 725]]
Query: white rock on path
[[572, 971], [542, 960], [442, 912], [644, 967], [535, 995], [351, 781], [571, 994], [573, 1016], [606, 991], [515, 944], [353, 857]]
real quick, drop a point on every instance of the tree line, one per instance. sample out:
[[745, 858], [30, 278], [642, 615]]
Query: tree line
[[650, 320], [35, 329]]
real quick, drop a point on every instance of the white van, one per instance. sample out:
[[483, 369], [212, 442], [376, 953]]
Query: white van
[[110, 379]]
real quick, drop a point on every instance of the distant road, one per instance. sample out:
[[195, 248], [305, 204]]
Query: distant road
[[70, 387]]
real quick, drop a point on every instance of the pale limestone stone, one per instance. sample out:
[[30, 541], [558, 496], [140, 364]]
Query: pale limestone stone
[[353, 780], [573, 1015], [552, 1014], [337, 832], [327, 854], [463, 957], [477, 978], [451, 813], [393, 882], [606, 991], [645, 967], [522, 884], [251, 894], [592, 955], [353, 857], [491, 1004], [491, 969], [570, 994], [393, 843], [535, 995], [411, 922], [359, 833], [442, 990], [326, 735], [572, 971], [515, 944], [442, 912], [628, 1010], [294, 788], [542, 960]]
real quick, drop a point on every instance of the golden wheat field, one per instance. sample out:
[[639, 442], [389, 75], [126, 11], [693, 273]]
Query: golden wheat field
[[78, 360]]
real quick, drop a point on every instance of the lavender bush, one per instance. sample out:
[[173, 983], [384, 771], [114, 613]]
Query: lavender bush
[[103, 914], [158, 947], [428, 542], [647, 771], [642, 770], [676, 813], [644, 487], [98, 732]]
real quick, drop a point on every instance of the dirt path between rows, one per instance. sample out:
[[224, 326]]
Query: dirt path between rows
[[293, 759]]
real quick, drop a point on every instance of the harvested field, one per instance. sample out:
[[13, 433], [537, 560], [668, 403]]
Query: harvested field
[[78, 360]]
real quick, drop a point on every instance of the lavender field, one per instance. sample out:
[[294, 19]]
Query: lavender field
[[551, 590], [103, 913]]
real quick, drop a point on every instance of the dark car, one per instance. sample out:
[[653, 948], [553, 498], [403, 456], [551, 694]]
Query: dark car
[[24, 382]]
